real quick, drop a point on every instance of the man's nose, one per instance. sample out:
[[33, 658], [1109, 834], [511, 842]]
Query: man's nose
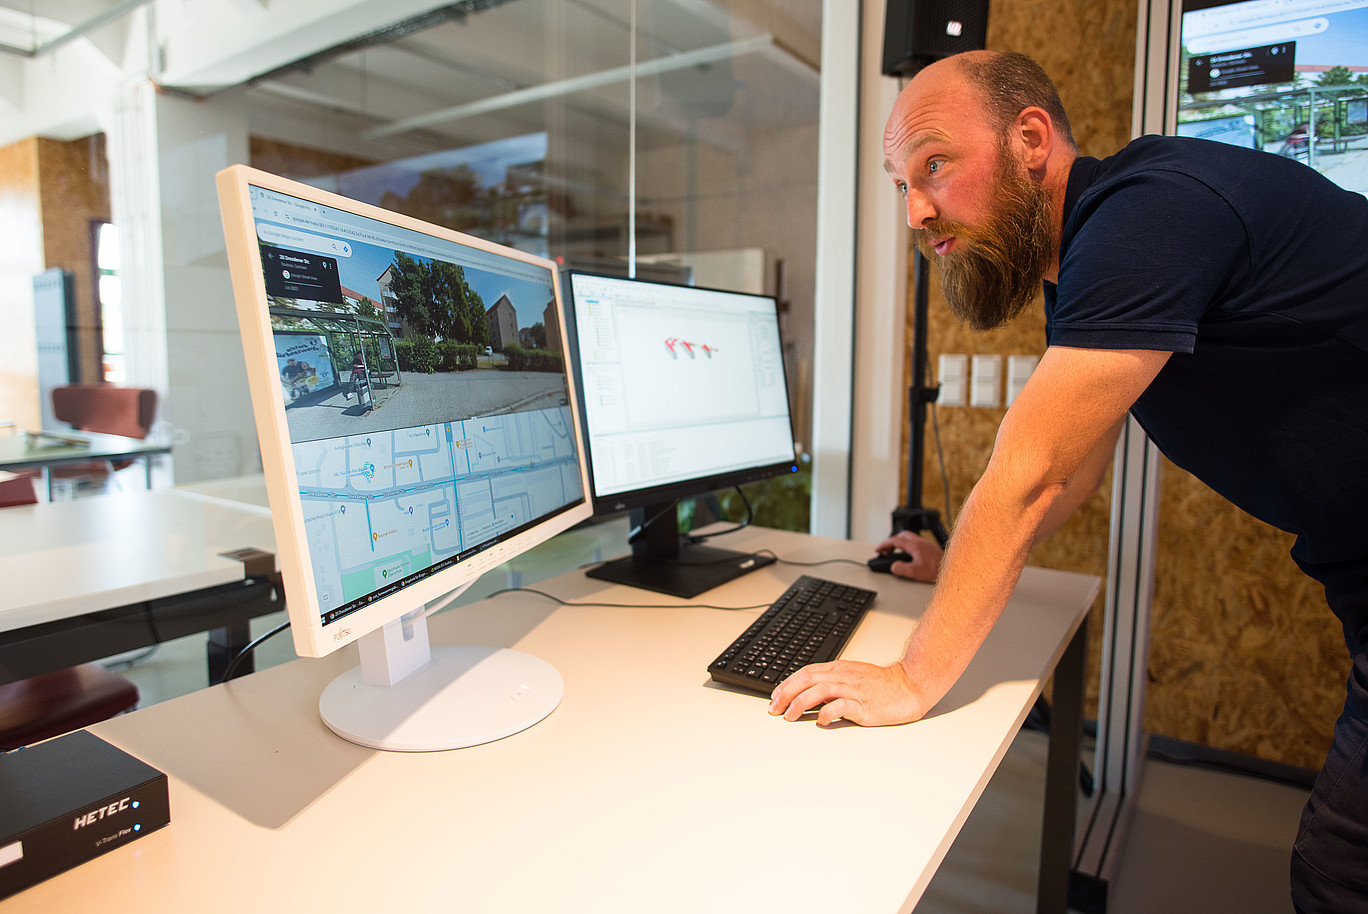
[[920, 210]]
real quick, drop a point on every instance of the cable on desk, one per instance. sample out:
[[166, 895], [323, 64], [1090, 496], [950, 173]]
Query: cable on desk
[[758, 552], [256, 642], [558, 601], [855, 562], [251, 646]]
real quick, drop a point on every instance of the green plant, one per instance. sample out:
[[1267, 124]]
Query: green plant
[[782, 502], [417, 353], [520, 359]]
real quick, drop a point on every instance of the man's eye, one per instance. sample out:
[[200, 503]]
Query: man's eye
[[902, 188], [934, 166]]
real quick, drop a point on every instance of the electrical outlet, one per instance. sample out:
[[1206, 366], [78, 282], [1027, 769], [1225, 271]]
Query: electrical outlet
[[986, 385], [1019, 368], [953, 371]]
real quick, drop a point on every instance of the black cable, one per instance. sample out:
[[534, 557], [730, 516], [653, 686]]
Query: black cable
[[758, 552], [636, 534], [559, 602], [940, 454], [856, 562], [750, 515], [152, 622], [251, 646], [129, 662]]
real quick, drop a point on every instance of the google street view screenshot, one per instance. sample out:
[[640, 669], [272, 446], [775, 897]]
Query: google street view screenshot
[[1286, 76]]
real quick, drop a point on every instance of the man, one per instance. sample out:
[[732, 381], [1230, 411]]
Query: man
[[1220, 296], [293, 375]]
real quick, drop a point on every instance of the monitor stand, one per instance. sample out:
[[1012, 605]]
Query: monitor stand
[[407, 696], [664, 562]]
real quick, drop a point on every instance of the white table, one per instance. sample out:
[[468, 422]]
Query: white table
[[96, 576], [648, 789], [68, 447]]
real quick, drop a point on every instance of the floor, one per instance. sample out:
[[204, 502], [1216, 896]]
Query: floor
[[1199, 841]]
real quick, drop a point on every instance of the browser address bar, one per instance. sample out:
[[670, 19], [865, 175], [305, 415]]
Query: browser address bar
[[321, 244], [1257, 37], [280, 235], [1241, 16]]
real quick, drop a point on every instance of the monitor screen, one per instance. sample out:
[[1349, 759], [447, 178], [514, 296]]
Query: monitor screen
[[684, 393], [412, 436], [1285, 76]]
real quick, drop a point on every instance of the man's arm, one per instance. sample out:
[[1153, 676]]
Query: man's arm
[[1083, 483], [1057, 427], [926, 554]]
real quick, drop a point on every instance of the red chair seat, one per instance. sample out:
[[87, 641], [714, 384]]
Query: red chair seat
[[105, 408], [18, 490], [56, 703]]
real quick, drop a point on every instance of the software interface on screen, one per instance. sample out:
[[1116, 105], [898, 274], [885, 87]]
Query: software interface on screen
[[1286, 76], [680, 383], [404, 473]]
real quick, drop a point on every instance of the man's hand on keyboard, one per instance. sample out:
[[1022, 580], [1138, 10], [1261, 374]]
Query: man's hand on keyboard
[[862, 693]]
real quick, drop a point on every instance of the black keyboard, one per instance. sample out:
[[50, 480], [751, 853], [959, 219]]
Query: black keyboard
[[809, 623]]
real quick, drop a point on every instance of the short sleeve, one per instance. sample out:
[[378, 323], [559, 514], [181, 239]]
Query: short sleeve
[[1143, 259]]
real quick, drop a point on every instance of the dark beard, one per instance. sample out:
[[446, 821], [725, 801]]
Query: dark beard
[[998, 271]]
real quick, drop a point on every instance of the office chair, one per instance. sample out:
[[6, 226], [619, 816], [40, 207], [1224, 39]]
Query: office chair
[[18, 490], [107, 409], [55, 703]]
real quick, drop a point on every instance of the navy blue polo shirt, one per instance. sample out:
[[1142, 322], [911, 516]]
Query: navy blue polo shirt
[[1253, 270]]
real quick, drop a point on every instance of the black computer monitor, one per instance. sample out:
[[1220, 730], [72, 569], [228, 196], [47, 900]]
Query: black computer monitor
[[683, 393], [401, 462]]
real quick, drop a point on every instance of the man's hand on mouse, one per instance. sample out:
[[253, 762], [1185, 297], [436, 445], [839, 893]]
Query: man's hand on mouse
[[926, 556]]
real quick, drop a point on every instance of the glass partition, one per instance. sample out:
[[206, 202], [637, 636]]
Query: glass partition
[[656, 138]]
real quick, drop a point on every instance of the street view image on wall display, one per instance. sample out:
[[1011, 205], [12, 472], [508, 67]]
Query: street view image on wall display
[[424, 389], [1286, 76]]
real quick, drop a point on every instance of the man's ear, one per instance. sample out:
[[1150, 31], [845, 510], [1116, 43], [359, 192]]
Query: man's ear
[[1034, 132]]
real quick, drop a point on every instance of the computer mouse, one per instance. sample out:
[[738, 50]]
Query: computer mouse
[[883, 562]]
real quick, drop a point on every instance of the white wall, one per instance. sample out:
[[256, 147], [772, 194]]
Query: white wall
[[877, 468], [208, 401], [861, 289]]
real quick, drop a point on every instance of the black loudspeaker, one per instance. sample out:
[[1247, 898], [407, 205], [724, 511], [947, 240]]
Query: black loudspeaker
[[919, 32]]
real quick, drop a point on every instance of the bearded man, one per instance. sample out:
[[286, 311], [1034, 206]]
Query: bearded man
[[1220, 296]]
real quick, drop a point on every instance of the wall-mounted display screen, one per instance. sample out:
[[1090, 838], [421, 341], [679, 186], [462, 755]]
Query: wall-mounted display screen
[[1286, 76]]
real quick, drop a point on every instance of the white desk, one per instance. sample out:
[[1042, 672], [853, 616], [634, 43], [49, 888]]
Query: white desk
[[647, 790], [96, 565], [61, 449]]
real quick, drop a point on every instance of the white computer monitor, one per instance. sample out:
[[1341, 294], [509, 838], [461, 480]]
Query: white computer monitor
[[684, 393], [402, 459]]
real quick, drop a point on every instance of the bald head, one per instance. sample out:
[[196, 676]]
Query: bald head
[[1004, 83]]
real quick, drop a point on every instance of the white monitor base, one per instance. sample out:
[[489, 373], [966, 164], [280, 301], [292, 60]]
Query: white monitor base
[[466, 696]]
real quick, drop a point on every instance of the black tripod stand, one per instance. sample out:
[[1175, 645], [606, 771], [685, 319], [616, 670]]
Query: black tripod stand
[[913, 515]]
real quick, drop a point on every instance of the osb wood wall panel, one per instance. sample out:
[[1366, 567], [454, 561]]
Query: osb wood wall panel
[[73, 180], [21, 257], [1244, 655]]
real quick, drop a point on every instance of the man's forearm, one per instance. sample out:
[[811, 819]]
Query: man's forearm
[[981, 567]]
